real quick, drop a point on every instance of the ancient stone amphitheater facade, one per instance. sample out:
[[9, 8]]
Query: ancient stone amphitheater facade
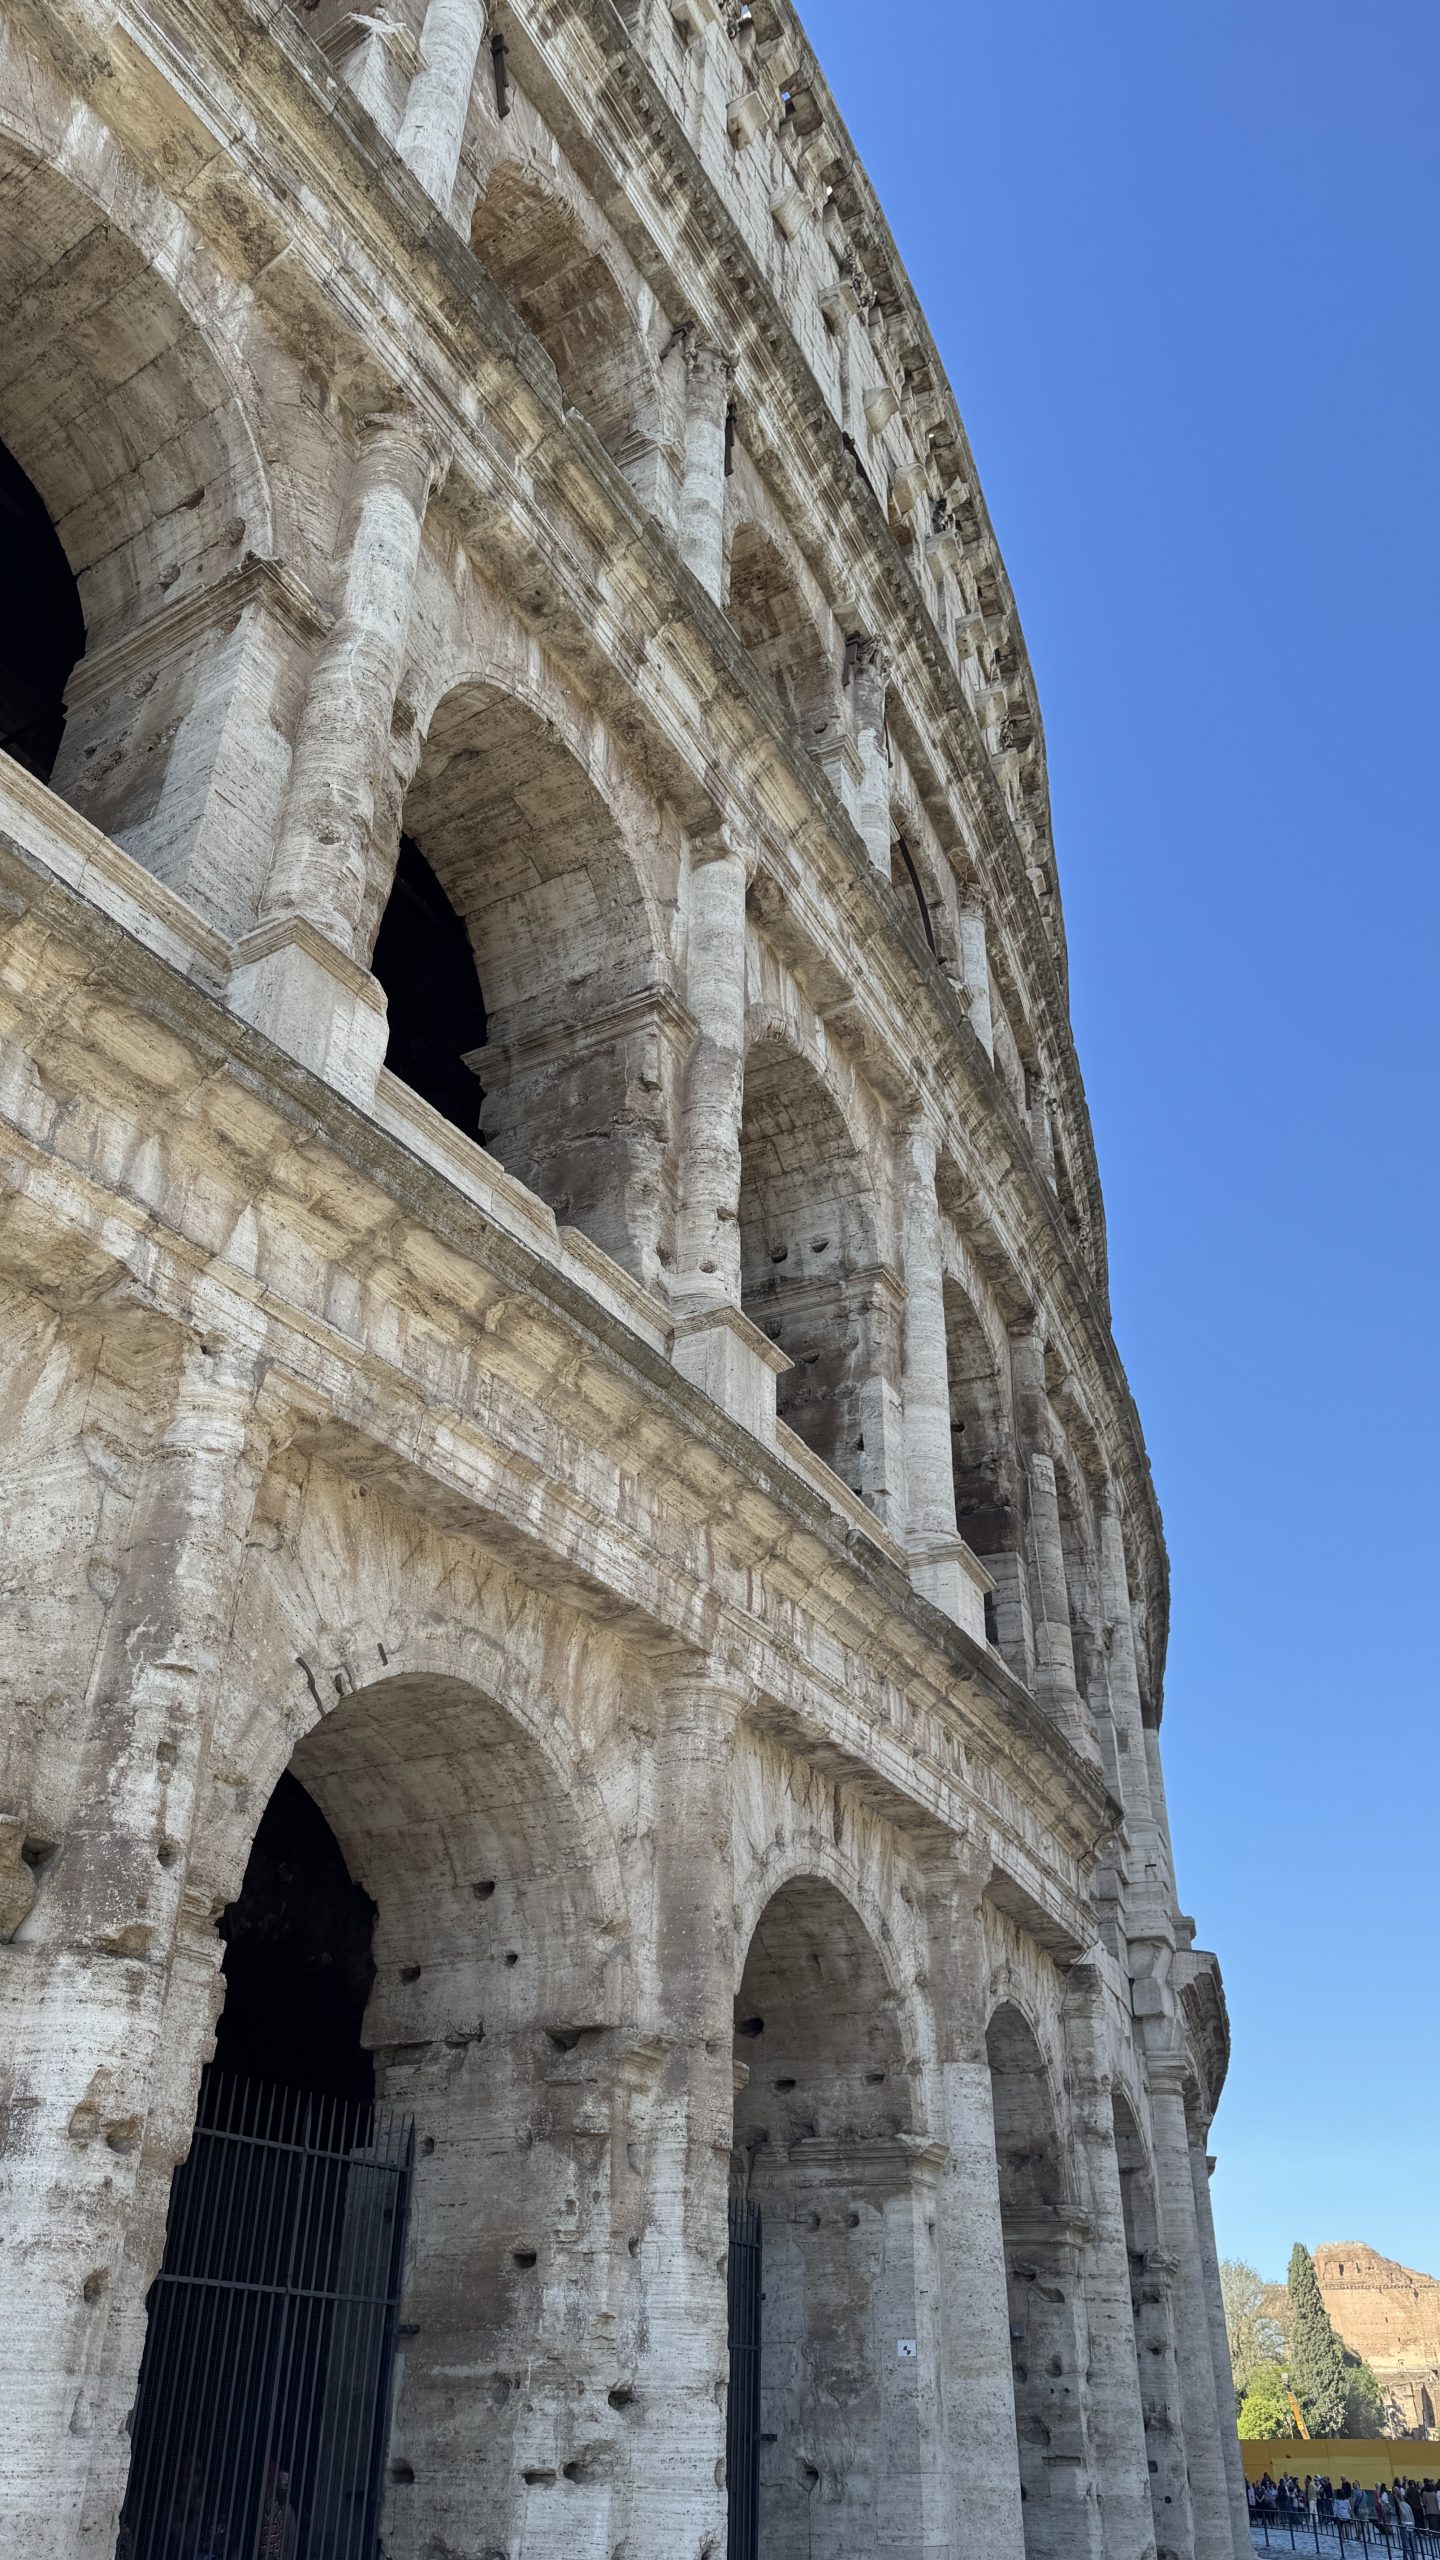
[[599, 1553]]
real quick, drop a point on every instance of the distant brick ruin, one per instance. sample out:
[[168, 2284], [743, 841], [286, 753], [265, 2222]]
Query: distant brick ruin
[[1390, 2315]]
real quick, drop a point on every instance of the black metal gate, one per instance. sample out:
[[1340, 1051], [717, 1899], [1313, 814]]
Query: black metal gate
[[742, 2449], [262, 2413]]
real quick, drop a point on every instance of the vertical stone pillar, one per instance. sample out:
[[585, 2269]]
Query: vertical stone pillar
[[976, 2380], [1147, 1869], [708, 1260], [1194, 2349], [975, 970], [1200, 2167], [1054, 1651], [708, 379], [869, 676], [675, 2490], [941, 1564], [99, 2106], [299, 975], [432, 128], [1116, 2418]]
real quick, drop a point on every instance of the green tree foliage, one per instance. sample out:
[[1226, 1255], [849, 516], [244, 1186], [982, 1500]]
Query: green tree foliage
[[1364, 2400], [1255, 2335], [1265, 2411], [1318, 2372]]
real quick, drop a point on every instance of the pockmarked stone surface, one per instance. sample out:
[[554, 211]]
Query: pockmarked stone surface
[[582, 1612]]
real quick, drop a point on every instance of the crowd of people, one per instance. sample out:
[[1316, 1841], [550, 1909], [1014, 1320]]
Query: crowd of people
[[1403, 2508]]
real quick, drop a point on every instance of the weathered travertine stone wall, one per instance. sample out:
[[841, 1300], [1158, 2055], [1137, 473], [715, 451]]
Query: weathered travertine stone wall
[[649, 1461]]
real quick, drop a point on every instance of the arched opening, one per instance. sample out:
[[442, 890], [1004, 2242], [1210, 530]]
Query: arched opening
[[420, 1903], [1154, 2343], [822, 2120], [425, 962], [776, 626], [1042, 2269], [566, 292], [130, 463], [42, 628], [516, 879], [906, 882], [988, 1509], [808, 1263], [261, 2412]]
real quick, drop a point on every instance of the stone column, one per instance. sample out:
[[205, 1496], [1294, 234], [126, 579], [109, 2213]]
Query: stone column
[[708, 379], [708, 1261], [868, 677], [976, 2381], [1200, 2168], [1194, 2349], [432, 128], [1116, 2416], [99, 2105], [975, 970], [1054, 1652], [675, 2489], [941, 1563], [1148, 1875]]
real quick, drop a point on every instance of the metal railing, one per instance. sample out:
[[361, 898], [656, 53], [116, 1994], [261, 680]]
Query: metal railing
[[1294, 2529], [262, 2414]]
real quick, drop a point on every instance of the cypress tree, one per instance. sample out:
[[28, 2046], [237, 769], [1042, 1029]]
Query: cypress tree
[[1317, 2359]]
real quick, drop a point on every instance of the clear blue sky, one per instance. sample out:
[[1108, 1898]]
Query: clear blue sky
[[1181, 264]]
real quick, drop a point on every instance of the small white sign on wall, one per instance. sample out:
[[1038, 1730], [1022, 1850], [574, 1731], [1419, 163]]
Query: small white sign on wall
[[904, 2348]]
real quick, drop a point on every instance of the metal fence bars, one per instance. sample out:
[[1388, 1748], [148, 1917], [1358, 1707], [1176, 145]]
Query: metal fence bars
[[1291, 2529], [742, 2442], [261, 2418]]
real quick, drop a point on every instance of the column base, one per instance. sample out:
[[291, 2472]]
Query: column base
[[945, 1573], [720, 1351], [314, 1002]]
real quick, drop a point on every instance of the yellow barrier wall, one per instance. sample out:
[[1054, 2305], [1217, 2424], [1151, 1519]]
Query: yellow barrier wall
[[1365, 2460]]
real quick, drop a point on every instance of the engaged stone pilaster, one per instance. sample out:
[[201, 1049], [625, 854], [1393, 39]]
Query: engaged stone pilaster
[[1200, 2167], [708, 1260], [975, 970], [675, 2491], [709, 376], [1194, 2347], [1116, 2424], [432, 128], [300, 976], [868, 674], [1055, 1684], [976, 2381], [106, 2001], [941, 1563], [1148, 1870]]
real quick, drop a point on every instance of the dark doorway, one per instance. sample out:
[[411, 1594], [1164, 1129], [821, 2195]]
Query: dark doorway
[[262, 2413], [298, 1966], [424, 961], [42, 629]]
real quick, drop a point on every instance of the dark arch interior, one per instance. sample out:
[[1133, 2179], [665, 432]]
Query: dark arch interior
[[425, 963], [298, 1966], [42, 629]]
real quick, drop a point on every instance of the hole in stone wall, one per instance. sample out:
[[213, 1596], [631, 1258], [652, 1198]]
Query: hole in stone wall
[[42, 629], [298, 1965], [426, 966]]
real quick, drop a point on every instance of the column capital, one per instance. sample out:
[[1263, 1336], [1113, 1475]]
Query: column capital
[[723, 843], [709, 367]]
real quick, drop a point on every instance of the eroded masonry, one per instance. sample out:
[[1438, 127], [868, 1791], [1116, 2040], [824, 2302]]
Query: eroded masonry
[[591, 1962]]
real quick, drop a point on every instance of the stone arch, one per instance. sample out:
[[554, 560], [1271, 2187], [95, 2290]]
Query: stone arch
[[775, 623], [824, 2148], [581, 1045], [1043, 2243], [565, 289], [809, 1255], [498, 1988], [125, 403], [1154, 2340]]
